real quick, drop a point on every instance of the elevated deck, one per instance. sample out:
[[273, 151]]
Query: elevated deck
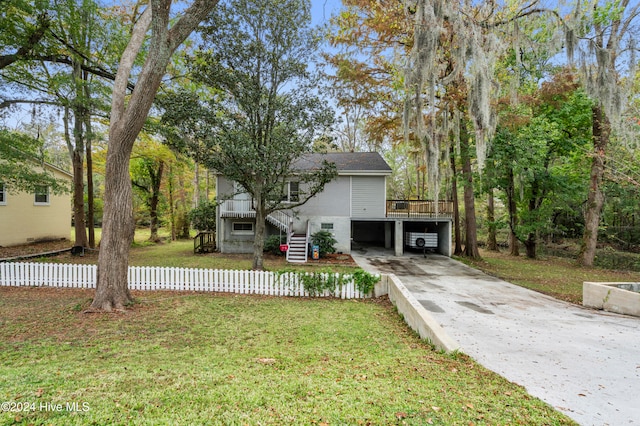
[[419, 209], [412, 209]]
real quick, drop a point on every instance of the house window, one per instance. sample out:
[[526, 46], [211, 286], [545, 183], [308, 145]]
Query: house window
[[326, 227], [292, 192], [42, 195], [242, 228], [3, 194]]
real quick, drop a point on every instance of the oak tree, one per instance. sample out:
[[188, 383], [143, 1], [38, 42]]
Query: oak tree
[[128, 114]]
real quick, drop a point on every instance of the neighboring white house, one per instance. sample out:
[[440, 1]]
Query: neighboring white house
[[353, 207], [37, 216]]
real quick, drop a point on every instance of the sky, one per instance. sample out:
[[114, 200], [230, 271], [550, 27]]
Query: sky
[[322, 10]]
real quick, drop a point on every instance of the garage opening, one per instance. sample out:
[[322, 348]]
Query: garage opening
[[428, 236], [372, 233]]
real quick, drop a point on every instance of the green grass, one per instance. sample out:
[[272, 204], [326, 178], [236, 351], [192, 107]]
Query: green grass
[[212, 359], [559, 277], [180, 254]]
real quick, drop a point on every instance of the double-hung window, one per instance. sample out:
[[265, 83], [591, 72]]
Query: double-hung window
[[41, 196], [292, 192], [3, 194]]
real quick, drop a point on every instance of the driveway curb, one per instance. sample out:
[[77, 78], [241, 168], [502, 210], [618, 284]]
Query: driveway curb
[[414, 314]]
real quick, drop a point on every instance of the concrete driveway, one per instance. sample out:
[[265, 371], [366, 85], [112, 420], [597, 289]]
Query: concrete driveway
[[583, 362]]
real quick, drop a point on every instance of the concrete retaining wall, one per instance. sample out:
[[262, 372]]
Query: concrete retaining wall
[[414, 314], [609, 297]]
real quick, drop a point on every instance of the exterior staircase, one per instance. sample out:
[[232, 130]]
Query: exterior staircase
[[280, 220], [297, 248], [297, 242]]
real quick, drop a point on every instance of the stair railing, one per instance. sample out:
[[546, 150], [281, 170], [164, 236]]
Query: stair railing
[[306, 242]]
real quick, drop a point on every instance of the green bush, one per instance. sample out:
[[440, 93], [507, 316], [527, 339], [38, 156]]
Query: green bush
[[272, 244], [365, 282], [203, 217], [325, 242]]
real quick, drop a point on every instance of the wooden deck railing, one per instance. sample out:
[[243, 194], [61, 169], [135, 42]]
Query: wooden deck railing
[[395, 208], [204, 242], [237, 208], [419, 208]]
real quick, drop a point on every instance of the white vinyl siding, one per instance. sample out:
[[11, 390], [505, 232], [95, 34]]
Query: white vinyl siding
[[367, 197]]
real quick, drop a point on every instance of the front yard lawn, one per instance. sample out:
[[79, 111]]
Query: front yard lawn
[[222, 359]]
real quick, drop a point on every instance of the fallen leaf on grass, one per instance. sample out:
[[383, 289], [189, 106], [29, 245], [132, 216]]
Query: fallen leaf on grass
[[266, 360]]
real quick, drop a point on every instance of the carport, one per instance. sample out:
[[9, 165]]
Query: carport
[[390, 232]]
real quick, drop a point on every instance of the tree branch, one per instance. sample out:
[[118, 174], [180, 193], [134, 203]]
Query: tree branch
[[5, 103]]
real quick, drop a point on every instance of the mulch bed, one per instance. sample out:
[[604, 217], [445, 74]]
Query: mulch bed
[[34, 248], [334, 259]]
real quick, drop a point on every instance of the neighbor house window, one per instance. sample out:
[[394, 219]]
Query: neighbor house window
[[326, 227], [291, 192], [242, 228], [42, 195], [3, 194]]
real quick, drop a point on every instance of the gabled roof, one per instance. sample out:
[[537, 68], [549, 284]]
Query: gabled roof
[[57, 169], [346, 162]]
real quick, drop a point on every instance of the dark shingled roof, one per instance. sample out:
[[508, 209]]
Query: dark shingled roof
[[345, 162]]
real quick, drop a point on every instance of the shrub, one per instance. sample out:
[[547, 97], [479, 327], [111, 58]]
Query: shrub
[[203, 217], [325, 242], [365, 282], [272, 244]]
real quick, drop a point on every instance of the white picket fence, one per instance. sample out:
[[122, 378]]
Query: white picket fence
[[178, 279]]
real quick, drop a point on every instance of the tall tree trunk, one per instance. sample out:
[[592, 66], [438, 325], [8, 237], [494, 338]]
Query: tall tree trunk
[[126, 121], [530, 245], [471, 238], [534, 201], [595, 199], [514, 244], [456, 208], [418, 185], [91, 226], [196, 186], [154, 200], [492, 242], [76, 152], [182, 220], [118, 229], [78, 198], [172, 210], [80, 114], [208, 189], [258, 242]]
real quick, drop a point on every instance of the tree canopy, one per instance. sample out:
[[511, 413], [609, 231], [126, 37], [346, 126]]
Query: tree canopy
[[267, 113]]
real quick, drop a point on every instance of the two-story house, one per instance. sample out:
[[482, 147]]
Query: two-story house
[[353, 207]]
